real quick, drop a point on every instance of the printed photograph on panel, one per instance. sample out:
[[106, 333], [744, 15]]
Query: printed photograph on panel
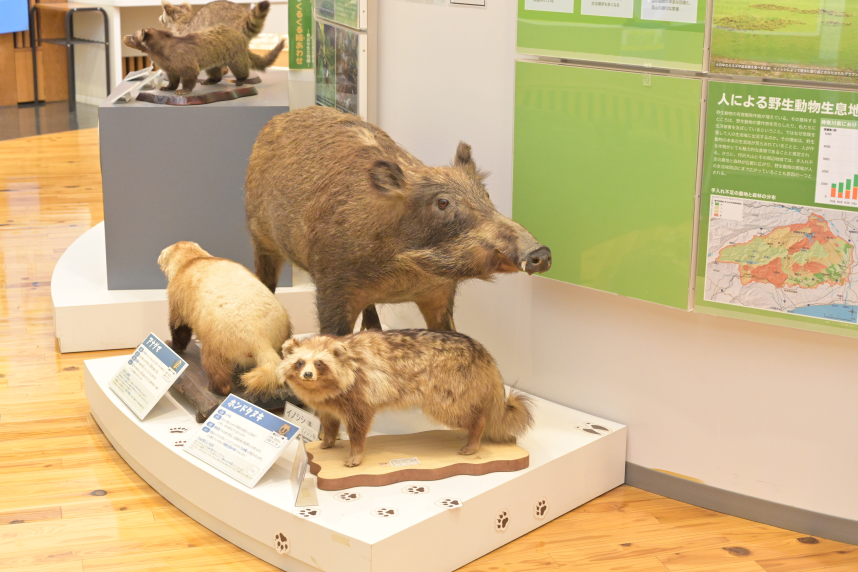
[[791, 39], [347, 71], [325, 62]]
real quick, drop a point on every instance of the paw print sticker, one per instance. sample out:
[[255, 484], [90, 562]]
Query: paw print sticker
[[178, 429], [281, 543], [540, 509], [449, 503], [416, 490], [385, 512], [179, 443], [502, 521], [347, 496], [593, 429], [309, 512]]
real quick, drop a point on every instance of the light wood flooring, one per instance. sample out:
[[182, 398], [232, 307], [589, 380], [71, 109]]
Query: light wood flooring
[[68, 502]]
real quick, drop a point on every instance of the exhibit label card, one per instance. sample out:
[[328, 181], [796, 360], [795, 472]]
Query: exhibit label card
[[669, 10], [147, 376], [242, 440], [310, 424], [567, 6]]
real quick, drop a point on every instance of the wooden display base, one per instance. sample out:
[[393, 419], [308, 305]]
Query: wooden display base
[[194, 385], [198, 97], [437, 451]]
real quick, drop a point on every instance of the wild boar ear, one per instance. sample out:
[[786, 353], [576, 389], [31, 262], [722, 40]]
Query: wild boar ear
[[387, 178], [289, 346], [465, 161]]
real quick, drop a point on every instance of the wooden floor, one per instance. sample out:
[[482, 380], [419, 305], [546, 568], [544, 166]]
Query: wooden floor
[[68, 503]]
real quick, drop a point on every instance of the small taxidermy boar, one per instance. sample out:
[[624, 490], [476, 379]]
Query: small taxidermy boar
[[180, 19], [236, 318], [450, 376], [182, 57]]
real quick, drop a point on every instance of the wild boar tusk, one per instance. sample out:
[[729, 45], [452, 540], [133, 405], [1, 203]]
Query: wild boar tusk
[[524, 265]]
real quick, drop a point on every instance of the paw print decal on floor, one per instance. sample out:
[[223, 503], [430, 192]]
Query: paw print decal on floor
[[385, 512], [347, 496], [502, 521], [449, 502], [540, 509], [308, 512], [416, 490], [593, 429], [281, 543], [178, 429], [179, 443]]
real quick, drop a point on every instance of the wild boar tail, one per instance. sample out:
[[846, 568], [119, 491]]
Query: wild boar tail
[[254, 24], [261, 381], [262, 63], [511, 420]]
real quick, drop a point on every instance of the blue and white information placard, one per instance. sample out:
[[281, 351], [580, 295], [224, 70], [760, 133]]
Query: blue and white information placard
[[147, 375], [242, 440]]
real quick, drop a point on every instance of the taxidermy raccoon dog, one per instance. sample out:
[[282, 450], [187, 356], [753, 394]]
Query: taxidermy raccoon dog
[[237, 319], [182, 57], [450, 376], [180, 19]]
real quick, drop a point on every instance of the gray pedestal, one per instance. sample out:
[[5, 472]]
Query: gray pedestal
[[177, 173]]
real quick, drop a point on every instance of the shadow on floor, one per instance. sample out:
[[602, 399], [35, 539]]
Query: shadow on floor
[[22, 121]]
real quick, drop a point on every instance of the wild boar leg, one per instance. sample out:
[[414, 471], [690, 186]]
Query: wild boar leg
[[370, 319], [438, 311], [337, 315], [268, 266]]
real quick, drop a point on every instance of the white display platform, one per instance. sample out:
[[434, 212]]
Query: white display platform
[[377, 529], [89, 317]]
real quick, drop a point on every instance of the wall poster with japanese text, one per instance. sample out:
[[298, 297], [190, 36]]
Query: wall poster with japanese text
[[779, 209], [657, 33], [791, 39], [340, 57], [301, 34]]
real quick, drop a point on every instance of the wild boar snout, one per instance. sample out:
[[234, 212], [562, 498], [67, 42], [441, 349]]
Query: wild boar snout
[[537, 260]]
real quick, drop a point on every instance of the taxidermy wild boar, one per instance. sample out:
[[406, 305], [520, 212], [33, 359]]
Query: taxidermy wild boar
[[372, 224], [180, 19]]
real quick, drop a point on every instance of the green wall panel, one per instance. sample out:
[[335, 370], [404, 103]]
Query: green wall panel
[[629, 40], [604, 174]]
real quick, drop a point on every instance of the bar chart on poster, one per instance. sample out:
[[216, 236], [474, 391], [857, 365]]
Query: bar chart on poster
[[837, 168]]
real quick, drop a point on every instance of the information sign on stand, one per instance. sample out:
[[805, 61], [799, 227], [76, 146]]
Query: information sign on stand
[[147, 375], [779, 209], [242, 440]]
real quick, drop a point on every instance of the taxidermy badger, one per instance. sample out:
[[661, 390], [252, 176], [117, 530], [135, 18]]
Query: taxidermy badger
[[180, 19], [236, 318], [182, 57], [452, 377]]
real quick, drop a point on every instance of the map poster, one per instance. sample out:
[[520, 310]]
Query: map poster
[[779, 210], [788, 39]]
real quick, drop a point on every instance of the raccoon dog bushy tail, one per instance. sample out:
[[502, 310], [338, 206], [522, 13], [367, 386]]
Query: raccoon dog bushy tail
[[510, 418], [262, 63], [253, 27], [261, 381]]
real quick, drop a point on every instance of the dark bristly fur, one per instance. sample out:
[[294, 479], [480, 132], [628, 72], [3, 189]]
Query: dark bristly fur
[[452, 377], [372, 224], [182, 57]]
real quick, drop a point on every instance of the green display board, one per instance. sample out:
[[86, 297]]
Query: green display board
[[791, 39], [343, 12], [301, 34], [779, 212], [661, 33], [604, 174]]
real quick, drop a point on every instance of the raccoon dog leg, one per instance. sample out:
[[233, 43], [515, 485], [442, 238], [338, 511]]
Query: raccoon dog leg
[[219, 371], [475, 434], [214, 74], [240, 68], [174, 82], [330, 430], [180, 337], [188, 84], [357, 426]]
